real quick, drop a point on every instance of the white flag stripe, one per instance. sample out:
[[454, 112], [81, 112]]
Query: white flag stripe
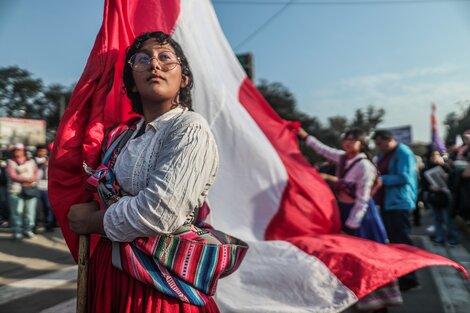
[[30, 286], [250, 184], [304, 282], [251, 179]]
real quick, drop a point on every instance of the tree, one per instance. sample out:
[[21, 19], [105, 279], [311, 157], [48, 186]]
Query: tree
[[20, 94], [25, 97], [457, 123], [369, 119], [284, 103], [55, 100]]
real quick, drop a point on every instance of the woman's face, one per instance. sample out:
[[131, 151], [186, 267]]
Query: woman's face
[[351, 145], [18, 153], [156, 83], [436, 157]]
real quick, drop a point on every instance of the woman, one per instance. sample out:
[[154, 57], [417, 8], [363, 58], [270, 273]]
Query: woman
[[439, 200], [353, 185], [22, 175], [163, 172]]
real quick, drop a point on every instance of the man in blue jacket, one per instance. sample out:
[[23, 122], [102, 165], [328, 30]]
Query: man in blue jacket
[[397, 197]]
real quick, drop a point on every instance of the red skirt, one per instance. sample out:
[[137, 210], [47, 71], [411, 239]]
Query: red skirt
[[113, 291]]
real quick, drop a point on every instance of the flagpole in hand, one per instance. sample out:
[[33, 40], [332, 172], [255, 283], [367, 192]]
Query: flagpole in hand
[[84, 219], [82, 276]]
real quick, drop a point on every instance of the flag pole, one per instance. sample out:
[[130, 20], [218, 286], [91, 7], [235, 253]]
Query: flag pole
[[82, 276]]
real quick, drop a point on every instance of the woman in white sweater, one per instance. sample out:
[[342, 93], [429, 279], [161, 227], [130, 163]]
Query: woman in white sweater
[[354, 184]]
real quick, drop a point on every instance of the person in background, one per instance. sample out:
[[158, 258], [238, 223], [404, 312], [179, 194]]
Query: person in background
[[439, 200], [417, 212], [22, 175], [4, 206], [463, 152], [42, 161], [397, 197], [353, 185]]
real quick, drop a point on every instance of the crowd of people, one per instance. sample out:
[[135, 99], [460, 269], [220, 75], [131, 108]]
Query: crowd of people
[[24, 202], [379, 197]]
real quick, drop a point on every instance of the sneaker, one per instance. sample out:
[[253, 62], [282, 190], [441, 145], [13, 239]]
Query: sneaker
[[409, 285], [29, 234], [16, 236], [49, 229]]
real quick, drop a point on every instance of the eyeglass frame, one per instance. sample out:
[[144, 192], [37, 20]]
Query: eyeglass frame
[[150, 62]]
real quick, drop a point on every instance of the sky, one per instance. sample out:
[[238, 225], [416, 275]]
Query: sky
[[334, 56]]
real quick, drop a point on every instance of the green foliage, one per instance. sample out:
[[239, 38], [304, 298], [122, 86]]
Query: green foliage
[[20, 94], [369, 119], [23, 96], [457, 123]]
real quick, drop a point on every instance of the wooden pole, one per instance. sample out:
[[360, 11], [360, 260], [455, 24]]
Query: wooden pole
[[82, 277]]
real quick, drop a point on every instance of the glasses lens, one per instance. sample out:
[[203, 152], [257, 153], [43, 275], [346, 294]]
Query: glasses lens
[[140, 62], [167, 60]]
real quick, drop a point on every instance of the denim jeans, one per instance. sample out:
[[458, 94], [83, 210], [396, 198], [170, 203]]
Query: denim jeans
[[43, 200], [22, 213], [445, 229], [398, 226]]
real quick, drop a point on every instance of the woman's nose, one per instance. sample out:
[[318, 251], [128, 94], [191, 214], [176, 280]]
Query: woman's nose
[[154, 63]]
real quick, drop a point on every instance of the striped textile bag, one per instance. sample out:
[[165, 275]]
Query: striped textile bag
[[185, 264]]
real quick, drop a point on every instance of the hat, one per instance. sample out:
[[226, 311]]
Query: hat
[[18, 146]]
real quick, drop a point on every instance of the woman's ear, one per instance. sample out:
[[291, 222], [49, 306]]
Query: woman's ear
[[184, 81]]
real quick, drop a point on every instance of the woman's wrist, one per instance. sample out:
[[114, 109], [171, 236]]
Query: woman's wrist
[[96, 224]]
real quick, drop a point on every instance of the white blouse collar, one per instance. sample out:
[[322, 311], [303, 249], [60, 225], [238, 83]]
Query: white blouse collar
[[163, 119]]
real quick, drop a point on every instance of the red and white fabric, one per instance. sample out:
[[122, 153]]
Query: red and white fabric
[[265, 192]]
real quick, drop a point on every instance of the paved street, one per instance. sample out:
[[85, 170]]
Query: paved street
[[39, 275]]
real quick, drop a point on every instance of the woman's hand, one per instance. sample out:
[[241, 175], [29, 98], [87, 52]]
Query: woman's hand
[[329, 177], [86, 218], [302, 133], [377, 185]]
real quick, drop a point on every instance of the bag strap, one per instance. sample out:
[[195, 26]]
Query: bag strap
[[346, 170]]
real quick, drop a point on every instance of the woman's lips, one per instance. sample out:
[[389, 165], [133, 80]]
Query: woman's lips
[[155, 78]]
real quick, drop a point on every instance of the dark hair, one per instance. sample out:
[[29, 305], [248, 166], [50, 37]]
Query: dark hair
[[129, 83], [383, 134], [41, 146], [361, 136]]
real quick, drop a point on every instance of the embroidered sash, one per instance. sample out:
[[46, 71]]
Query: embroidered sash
[[185, 264]]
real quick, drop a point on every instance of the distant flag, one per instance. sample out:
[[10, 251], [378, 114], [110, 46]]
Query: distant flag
[[435, 138], [266, 193], [458, 140]]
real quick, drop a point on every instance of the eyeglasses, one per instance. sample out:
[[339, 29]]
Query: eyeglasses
[[141, 62]]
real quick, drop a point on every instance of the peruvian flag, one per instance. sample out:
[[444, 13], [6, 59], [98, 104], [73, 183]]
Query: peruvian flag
[[265, 193]]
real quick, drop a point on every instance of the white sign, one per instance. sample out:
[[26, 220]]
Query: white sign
[[27, 131]]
